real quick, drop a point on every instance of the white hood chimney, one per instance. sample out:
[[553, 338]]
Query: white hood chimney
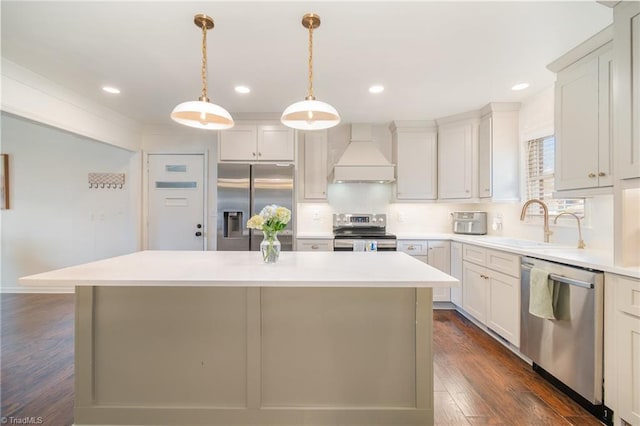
[[362, 161]]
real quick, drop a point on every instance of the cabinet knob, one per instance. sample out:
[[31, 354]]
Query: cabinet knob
[[253, 154], [315, 247], [602, 174], [592, 175], [259, 154]]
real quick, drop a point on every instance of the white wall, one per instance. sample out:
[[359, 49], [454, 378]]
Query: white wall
[[55, 220]]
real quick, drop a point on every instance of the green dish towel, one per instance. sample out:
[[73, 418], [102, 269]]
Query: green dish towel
[[541, 294]]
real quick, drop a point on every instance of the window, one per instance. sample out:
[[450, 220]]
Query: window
[[540, 180]]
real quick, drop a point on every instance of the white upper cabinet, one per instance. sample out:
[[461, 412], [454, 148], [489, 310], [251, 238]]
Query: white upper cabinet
[[627, 89], [498, 177], [415, 150], [264, 142], [313, 167], [583, 108], [457, 159]]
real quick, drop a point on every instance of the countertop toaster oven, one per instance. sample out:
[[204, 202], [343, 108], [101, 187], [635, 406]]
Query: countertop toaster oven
[[473, 223]]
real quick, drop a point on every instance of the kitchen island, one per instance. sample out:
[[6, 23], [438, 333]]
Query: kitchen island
[[219, 338]]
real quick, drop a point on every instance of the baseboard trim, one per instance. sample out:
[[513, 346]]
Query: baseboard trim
[[35, 289]]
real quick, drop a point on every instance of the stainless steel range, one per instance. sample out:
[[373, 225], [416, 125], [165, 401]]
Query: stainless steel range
[[362, 232]]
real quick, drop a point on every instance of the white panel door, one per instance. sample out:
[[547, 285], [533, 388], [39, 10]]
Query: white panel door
[[239, 143], [456, 272], [455, 161], [175, 218], [485, 166], [474, 298], [315, 165], [275, 143], [503, 313], [439, 258], [576, 118], [417, 165]]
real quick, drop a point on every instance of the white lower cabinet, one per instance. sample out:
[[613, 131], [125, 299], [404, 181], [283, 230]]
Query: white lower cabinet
[[309, 244], [435, 253], [503, 315], [622, 348], [456, 272], [475, 289], [491, 290]]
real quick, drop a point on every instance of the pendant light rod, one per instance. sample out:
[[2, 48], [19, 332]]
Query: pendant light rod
[[202, 113], [310, 21], [310, 114], [206, 23]]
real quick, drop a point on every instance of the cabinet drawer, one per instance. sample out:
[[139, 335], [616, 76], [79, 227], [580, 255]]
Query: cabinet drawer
[[501, 261], [414, 248], [315, 245], [627, 295], [474, 254]]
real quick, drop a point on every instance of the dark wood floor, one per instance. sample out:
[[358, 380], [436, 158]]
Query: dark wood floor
[[476, 380]]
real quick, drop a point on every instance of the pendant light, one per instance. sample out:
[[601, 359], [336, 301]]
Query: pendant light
[[202, 113], [310, 114]]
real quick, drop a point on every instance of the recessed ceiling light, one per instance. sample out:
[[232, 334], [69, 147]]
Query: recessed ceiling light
[[110, 89], [376, 89], [520, 86], [242, 89]]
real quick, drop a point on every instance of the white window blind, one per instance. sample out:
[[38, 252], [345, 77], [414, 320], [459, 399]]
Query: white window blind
[[540, 179]]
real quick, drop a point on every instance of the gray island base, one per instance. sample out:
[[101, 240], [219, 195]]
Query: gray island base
[[273, 350]]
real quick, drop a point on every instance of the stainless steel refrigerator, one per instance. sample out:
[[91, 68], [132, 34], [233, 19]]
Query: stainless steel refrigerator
[[243, 190]]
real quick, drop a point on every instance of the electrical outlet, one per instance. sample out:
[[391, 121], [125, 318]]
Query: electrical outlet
[[316, 215], [402, 217]]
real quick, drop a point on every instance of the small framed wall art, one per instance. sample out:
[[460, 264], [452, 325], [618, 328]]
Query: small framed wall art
[[4, 181]]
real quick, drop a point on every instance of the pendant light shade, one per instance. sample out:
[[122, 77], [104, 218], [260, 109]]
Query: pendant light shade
[[203, 114], [310, 114]]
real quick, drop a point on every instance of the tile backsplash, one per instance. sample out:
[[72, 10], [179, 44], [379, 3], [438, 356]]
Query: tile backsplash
[[434, 217]]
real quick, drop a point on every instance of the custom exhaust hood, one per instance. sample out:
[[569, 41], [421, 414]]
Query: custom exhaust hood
[[362, 161]]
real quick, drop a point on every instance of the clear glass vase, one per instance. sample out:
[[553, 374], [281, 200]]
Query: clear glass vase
[[270, 247]]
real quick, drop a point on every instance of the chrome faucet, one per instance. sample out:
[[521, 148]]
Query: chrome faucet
[[523, 213], [581, 244]]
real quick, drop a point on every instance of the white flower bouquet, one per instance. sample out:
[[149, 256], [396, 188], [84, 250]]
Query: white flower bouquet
[[270, 221]]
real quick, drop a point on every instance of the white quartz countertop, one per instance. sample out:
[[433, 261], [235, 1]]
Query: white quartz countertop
[[226, 268], [587, 258]]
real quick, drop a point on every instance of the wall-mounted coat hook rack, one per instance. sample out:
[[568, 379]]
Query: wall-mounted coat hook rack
[[108, 180]]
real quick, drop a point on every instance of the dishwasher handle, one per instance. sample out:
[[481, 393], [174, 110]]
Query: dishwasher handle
[[570, 281], [561, 278]]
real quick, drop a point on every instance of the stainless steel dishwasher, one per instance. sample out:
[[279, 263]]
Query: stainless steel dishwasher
[[568, 350]]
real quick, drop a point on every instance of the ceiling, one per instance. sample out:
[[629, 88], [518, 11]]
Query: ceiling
[[434, 58]]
